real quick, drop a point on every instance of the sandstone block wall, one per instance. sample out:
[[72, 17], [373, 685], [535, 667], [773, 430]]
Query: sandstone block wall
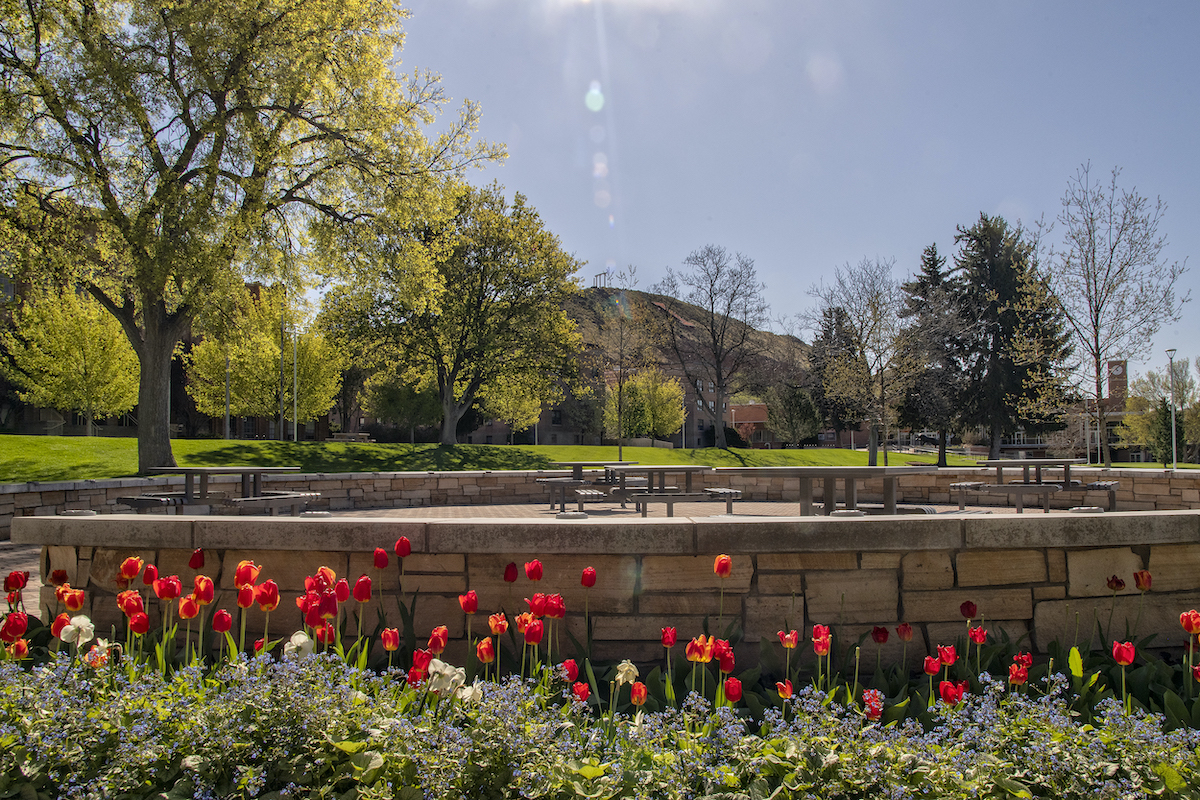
[[1038, 577]]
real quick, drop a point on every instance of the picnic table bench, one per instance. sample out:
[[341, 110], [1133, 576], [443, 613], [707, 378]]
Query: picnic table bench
[[362, 438], [272, 502], [642, 500]]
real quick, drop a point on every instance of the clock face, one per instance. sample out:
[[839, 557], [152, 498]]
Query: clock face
[[1116, 370]]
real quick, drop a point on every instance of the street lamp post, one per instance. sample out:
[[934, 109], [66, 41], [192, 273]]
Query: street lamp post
[[1171, 360]]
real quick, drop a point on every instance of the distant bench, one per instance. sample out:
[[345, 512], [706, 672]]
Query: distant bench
[[362, 438], [272, 502], [642, 500], [1019, 490]]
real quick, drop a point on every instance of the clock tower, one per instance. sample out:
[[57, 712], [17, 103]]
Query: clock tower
[[1118, 383]]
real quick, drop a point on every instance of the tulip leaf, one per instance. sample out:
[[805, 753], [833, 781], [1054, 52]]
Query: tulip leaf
[[1171, 777], [350, 747], [1075, 661]]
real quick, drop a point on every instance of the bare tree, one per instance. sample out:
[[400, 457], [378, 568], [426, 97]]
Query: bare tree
[[1111, 280], [871, 300], [714, 340]]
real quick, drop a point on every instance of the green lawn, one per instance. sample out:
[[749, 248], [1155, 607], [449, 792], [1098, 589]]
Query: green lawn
[[58, 458]]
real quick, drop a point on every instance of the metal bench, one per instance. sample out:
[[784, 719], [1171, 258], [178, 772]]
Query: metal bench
[[272, 502], [559, 487], [728, 495], [582, 495], [642, 500], [166, 502], [1106, 486], [962, 489], [1018, 491]]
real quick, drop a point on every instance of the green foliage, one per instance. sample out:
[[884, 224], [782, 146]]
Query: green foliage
[[495, 311], [653, 405], [64, 351], [791, 414], [252, 347], [387, 397], [516, 400], [161, 155]]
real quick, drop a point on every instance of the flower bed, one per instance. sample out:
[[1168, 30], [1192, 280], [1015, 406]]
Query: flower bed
[[200, 712]]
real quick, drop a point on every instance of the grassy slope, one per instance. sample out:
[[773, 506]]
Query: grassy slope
[[58, 458]]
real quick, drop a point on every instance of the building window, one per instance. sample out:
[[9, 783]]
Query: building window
[[710, 386], [699, 385], [556, 416], [489, 440], [700, 425], [712, 406], [699, 403]]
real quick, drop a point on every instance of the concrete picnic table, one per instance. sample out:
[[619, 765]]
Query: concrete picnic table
[[1038, 464], [830, 476]]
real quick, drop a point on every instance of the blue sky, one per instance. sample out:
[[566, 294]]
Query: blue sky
[[807, 135]]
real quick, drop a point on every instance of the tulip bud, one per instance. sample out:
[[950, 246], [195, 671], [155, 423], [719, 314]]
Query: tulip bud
[[246, 574], [533, 570], [189, 607], [968, 609], [581, 691], [498, 624], [341, 590], [197, 559], [904, 632], [362, 589], [130, 567], [638, 693], [784, 688], [139, 623], [733, 689], [469, 602], [267, 596], [222, 621], [203, 589], [402, 548], [589, 577], [485, 651], [534, 632], [879, 635], [723, 566], [947, 655], [669, 637], [932, 665], [149, 575], [381, 558], [390, 638], [510, 573]]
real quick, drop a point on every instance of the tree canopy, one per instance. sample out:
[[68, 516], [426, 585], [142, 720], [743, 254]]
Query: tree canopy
[[652, 406], [158, 155], [65, 352]]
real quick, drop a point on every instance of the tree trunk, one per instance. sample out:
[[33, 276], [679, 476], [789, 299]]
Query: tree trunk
[[994, 447], [872, 444], [942, 437], [452, 412], [154, 397], [719, 420]]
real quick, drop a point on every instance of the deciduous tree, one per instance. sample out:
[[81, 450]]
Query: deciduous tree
[[653, 406], [65, 352], [791, 414], [1111, 281], [719, 347], [159, 154]]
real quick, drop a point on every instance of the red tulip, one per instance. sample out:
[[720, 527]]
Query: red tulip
[[1123, 653], [421, 659], [588, 579], [341, 590], [390, 637], [438, 640], [469, 602], [555, 606], [16, 581], [534, 632], [58, 577], [204, 589], [947, 654], [723, 655], [197, 559], [733, 689], [73, 599], [139, 623], [723, 566], [1018, 674], [18, 649], [873, 703], [510, 573], [822, 645], [669, 637], [362, 589], [381, 558], [1115, 584], [1142, 580], [267, 595], [498, 624], [879, 635], [820, 631], [14, 627], [189, 607], [60, 622], [327, 605], [168, 588], [977, 635], [149, 575], [1196, 673], [537, 605], [259, 644], [222, 621], [952, 693], [1190, 620], [904, 632], [569, 669], [533, 570], [790, 639], [932, 665], [323, 579], [968, 609], [402, 548], [245, 596], [130, 602], [246, 574], [638, 693], [326, 634], [784, 688], [130, 567], [484, 650], [1024, 659], [581, 692]]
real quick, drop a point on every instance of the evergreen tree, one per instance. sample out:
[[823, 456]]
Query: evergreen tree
[[934, 382], [1014, 342]]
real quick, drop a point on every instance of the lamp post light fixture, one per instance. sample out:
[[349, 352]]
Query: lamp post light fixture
[[1171, 361]]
